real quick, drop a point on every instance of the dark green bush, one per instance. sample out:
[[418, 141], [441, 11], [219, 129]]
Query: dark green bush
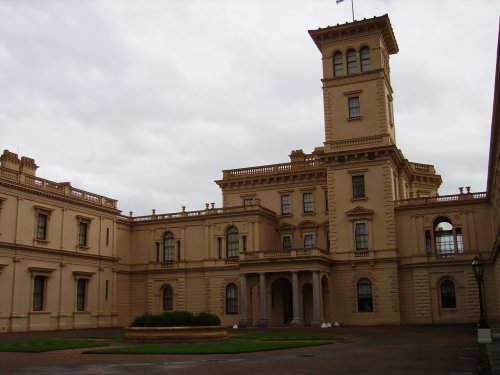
[[176, 319]]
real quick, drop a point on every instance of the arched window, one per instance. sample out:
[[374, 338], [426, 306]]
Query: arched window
[[167, 298], [338, 64], [351, 61], [365, 299], [448, 297], [447, 239], [231, 299], [366, 60], [168, 247], [233, 242]]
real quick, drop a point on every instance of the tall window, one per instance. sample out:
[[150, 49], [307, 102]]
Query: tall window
[[358, 186], [365, 298], [167, 297], [81, 294], [231, 299], [287, 242], [168, 247], [338, 64], [447, 238], [366, 61], [233, 242], [326, 200], [83, 228], [351, 61], [308, 202], [286, 204], [361, 235], [308, 241], [41, 226], [354, 108], [448, 297], [39, 284]]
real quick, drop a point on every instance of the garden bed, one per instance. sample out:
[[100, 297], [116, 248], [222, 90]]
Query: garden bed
[[175, 333]]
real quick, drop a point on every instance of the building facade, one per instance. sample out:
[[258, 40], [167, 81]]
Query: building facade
[[352, 232]]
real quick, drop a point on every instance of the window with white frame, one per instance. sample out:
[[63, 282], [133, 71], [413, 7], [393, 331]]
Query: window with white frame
[[168, 247], [308, 202], [309, 240], [366, 61], [351, 61], [286, 204], [338, 64], [354, 107], [361, 235]]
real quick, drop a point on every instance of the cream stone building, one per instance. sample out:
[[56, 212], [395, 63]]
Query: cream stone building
[[353, 232]]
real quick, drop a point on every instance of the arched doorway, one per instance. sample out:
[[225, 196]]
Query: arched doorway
[[281, 302], [307, 303]]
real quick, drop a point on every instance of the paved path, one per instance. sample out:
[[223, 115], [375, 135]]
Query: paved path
[[428, 350]]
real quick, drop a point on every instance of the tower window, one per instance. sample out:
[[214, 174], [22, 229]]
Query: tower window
[[351, 61], [354, 108], [338, 64], [366, 61]]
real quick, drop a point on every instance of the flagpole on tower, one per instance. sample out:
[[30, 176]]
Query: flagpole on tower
[[352, 7]]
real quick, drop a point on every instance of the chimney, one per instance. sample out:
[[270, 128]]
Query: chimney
[[28, 166], [10, 160]]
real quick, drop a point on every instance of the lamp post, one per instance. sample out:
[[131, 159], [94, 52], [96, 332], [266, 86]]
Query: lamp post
[[477, 267]]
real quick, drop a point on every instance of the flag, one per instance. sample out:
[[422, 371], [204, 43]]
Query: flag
[[339, 1]]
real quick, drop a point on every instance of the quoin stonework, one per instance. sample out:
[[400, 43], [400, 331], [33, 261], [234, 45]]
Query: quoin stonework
[[352, 232]]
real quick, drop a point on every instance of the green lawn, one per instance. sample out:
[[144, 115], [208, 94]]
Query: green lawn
[[38, 346], [242, 343], [217, 347]]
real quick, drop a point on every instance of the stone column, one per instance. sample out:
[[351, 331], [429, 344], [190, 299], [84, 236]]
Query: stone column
[[316, 320], [244, 301], [296, 321], [262, 300]]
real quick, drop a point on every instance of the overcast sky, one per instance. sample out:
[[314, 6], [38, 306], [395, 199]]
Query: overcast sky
[[148, 101]]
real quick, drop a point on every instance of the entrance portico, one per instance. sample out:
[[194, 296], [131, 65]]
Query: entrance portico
[[282, 298]]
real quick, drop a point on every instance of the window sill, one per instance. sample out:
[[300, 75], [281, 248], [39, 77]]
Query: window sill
[[81, 312], [309, 213], [286, 215], [44, 312], [41, 242], [357, 118], [84, 248], [357, 199]]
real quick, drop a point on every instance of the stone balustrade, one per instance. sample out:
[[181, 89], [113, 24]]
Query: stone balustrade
[[440, 199]]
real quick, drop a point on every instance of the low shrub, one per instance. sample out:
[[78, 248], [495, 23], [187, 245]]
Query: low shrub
[[176, 319]]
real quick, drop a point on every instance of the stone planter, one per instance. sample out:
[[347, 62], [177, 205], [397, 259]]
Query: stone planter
[[176, 333]]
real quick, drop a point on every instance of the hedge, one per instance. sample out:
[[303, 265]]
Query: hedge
[[176, 319]]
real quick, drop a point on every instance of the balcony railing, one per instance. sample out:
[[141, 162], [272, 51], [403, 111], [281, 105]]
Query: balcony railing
[[273, 168], [61, 188], [283, 254], [440, 199]]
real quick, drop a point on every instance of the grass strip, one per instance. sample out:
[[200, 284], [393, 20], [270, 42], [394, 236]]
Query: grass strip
[[288, 336], [46, 345], [224, 347]]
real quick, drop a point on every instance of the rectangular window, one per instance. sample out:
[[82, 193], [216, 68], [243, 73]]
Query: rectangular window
[[106, 290], [244, 243], [308, 241], [83, 228], [81, 294], [361, 235], [107, 236], [41, 226], [326, 200], [219, 247], [358, 186], [247, 202], [286, 204], [308, 202], [287, 242], [39, 283], [354, 108]]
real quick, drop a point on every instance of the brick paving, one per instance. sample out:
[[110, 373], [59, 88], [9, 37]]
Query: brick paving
[[429, 350]]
